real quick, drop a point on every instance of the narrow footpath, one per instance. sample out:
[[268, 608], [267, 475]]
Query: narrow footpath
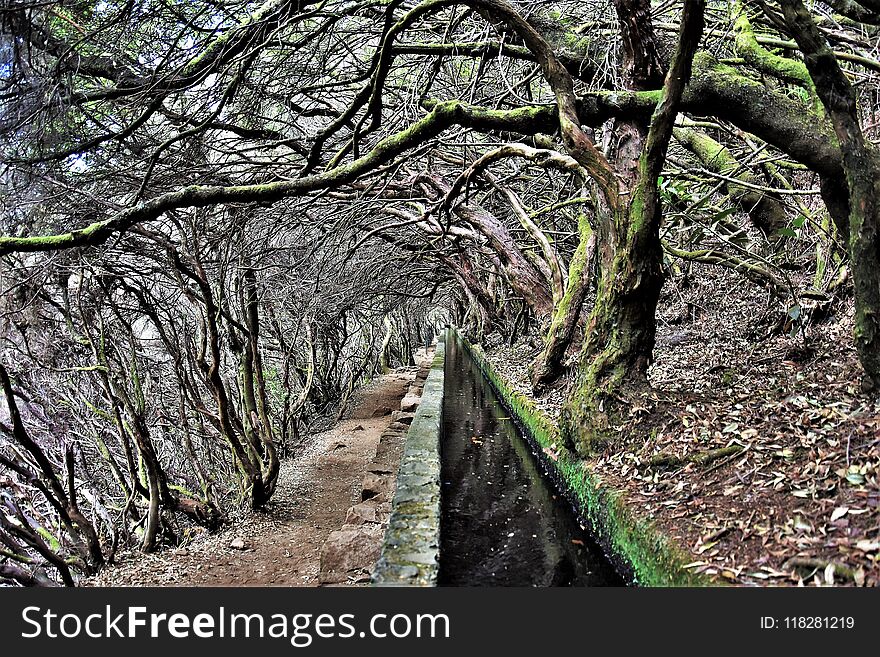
[[331, 505]]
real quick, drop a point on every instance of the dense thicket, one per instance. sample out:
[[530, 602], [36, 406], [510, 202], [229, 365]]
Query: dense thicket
[[219, 218]]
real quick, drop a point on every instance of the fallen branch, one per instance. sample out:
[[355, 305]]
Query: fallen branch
[[700, 458], [813, 565]]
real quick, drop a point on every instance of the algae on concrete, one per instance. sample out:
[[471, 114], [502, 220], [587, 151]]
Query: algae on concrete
[[631, 541]]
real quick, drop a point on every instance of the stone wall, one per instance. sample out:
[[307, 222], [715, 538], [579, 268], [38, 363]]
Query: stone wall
[[411, 546]]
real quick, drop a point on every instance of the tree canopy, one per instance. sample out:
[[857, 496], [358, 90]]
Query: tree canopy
[[219, 218]]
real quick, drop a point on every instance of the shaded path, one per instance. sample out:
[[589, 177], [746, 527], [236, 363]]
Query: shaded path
[[280, 546]]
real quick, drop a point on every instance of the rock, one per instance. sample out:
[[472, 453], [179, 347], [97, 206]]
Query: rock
[[359, 427], [381, 411], [410, 403], [403, 418], [390, 448], [376, 485], [350, 552], [362, 513], [238, 544]]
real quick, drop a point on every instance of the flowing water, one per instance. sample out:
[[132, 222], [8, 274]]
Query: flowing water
[[503, 522]]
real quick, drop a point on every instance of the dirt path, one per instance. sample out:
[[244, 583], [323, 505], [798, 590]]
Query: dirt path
[[281, 546]]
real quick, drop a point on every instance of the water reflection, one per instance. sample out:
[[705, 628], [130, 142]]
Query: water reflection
[[503, 523]]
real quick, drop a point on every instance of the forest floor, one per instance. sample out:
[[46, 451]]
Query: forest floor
[[280, 546], [795, 499]]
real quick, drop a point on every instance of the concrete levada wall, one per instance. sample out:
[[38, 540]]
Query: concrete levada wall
[[411, 546], [410, 551], [639, 550]]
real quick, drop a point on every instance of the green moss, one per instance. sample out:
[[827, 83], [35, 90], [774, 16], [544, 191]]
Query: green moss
[[49, 242], [50, 538], [783, 68], [184, 491], [708, 150], [638, 220], [652, 558], [575, 276], [752, 52]]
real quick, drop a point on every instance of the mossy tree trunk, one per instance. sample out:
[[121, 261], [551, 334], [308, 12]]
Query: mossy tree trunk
[[566, 315], [766, 211], [621, 332], [861, 163]]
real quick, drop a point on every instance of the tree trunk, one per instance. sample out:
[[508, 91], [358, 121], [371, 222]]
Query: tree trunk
[[257, 424], [621, 332], [248, 466], [522, 276], [766, 212], [622, 328], [548, 366], [477, 296], [81, 531], [861, 162], [385, 350]]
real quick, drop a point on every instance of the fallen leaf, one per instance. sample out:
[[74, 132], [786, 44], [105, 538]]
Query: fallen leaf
[[829, 574], [839, 512], [859, 577]]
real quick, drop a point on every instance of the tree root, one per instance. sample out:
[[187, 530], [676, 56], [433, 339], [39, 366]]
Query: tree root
[[820, 565], [700, 458]]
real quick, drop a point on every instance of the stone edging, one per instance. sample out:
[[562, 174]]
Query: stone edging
[[643, 554], [411, 545]]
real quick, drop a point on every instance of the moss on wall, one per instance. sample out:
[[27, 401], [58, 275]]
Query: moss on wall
[[634, 544]]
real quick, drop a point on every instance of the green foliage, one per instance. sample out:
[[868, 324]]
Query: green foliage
[[274, 385]]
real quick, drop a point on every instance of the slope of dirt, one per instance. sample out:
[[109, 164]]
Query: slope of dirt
[[794, 497], [280, 546]]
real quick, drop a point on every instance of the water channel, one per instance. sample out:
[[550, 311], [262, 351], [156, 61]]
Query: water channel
[[503, 522]]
